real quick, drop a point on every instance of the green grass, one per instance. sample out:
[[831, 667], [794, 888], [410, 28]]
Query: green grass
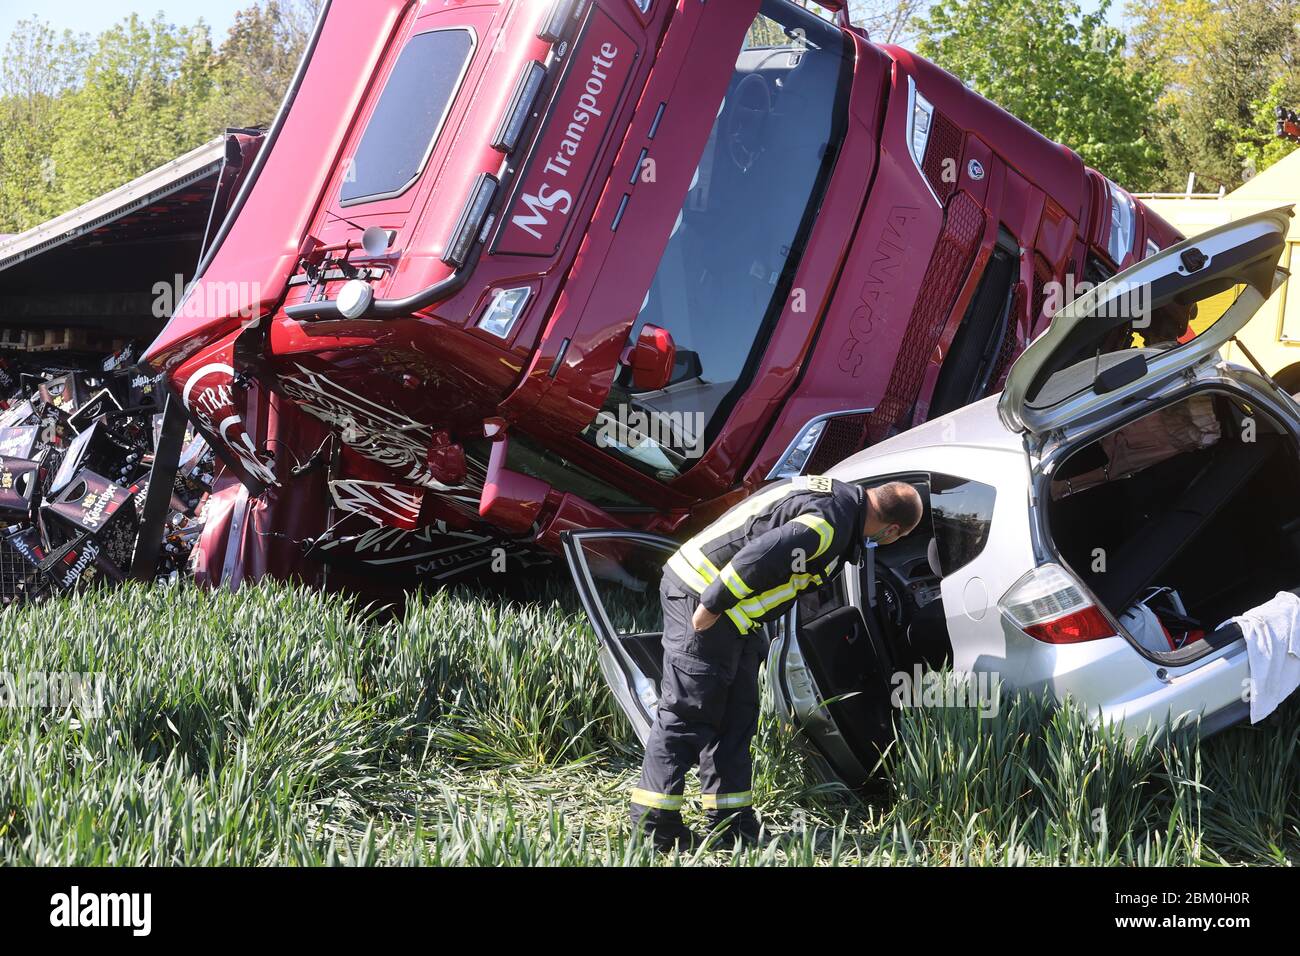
[[281, 726]]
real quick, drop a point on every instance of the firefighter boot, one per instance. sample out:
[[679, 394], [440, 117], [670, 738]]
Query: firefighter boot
[[666, 831], [728, 826]]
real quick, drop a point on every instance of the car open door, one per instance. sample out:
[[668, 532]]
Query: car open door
[[617, 574], [819, 664], [1132, 334], [829, 673]]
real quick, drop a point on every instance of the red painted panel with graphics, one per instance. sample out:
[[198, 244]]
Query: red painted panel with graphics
[[581, 117]]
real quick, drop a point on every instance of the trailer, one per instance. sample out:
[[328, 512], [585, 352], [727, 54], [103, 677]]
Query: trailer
[[84, 430]]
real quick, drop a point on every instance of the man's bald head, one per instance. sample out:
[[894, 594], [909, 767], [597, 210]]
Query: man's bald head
[[893, 510]]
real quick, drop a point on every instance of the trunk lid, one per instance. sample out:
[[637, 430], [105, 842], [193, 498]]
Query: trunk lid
[[1129, 336]]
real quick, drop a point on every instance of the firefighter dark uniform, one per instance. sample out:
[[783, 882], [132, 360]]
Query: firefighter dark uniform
[[748, 566]]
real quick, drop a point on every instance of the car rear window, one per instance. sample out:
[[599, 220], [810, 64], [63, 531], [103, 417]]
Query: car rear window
[[410, 112]]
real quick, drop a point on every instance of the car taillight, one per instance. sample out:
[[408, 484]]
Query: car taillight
[[1049, 606]]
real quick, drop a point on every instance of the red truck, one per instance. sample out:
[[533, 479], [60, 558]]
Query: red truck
[[504, 269]]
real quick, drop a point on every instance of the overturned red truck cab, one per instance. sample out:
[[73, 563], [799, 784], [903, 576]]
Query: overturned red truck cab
[[504, 269]]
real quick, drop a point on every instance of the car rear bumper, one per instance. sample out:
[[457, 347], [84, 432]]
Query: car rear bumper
[[1115, 684]]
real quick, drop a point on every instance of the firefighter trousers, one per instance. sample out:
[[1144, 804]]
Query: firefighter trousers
[[708, 713]]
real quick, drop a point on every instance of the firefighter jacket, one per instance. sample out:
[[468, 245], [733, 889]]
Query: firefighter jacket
[[752, 562]]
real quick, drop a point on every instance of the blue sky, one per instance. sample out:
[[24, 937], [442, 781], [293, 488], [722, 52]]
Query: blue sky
[[93, 16]]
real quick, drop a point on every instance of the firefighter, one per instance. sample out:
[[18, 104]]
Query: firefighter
[[745, 568]]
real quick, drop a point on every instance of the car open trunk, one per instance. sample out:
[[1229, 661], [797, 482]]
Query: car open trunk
[[1199, 496]]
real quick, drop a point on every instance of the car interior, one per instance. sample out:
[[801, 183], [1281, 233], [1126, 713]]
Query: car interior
[[1217, 519]]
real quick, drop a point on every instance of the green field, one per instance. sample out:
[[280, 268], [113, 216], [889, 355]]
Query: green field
[[279, 726]]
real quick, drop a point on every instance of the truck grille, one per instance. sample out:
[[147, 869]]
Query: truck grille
[[949, 264], [944, 146], [842, 437]]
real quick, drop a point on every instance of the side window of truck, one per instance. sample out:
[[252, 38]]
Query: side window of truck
[[962, 511], [408, 117]]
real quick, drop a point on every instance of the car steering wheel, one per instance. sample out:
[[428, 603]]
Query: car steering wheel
[[745, 121]]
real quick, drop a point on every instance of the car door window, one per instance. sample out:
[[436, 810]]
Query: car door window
[[617, 574], [625, 576]]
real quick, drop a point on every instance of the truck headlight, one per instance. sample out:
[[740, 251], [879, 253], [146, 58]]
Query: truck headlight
[[795, 459], [921, 113], [503, 311]]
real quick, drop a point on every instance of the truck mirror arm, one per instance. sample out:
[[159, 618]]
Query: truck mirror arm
[[328, 310]]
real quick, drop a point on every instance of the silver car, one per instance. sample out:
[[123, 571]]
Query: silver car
[[1123, 460]]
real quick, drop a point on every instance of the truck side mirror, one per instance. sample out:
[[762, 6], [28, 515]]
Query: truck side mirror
[[651, 358]]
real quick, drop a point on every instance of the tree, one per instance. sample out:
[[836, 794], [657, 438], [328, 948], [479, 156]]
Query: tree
[[889, 21], [141, 101], [1058, 69], [38, 67], [1260, 146], [1224, 65], [80, 116], [257, 61]]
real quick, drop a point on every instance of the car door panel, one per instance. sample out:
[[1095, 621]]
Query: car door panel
[[617, 575]]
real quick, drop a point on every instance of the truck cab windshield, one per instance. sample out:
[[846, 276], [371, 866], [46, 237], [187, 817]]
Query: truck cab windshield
[[738, 238]]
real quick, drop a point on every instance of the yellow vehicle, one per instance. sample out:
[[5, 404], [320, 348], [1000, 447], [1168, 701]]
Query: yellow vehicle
[[1273, 335]]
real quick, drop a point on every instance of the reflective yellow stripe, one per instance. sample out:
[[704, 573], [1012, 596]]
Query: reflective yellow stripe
[[659, 801], [697, 582], [733, 582], [740, 619], [698, 560], [762, 603], [823, 528], [754, 505], [692, 578], [693, 566], [726, 801]]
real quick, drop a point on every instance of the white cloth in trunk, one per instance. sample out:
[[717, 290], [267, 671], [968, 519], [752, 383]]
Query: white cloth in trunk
[[1272, 633]]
